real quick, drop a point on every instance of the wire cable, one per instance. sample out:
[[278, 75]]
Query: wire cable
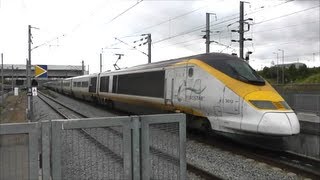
[[286, 15], [124, 11], [130, 46]]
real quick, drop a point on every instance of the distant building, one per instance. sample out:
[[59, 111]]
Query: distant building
[[297, 65]]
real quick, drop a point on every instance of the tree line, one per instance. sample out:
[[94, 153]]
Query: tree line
[[291, 74]]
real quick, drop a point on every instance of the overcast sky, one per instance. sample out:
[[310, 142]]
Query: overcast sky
[[69, 31]]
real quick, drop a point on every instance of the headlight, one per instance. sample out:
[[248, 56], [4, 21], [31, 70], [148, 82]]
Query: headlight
[[263, 104], [285, 105], [270, 105]]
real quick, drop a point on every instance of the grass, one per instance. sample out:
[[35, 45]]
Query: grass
[[311, 79]]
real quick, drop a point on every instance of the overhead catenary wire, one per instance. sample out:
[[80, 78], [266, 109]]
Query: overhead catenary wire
[[170, 19], [202, 27], [130, 46], [285, 15], [222, 22], [198, 27], [292, 56], [275, 29], [117, 16], [189, 31]]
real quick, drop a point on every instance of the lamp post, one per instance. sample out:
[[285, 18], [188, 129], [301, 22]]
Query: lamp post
[[277, 66], [282, 65]]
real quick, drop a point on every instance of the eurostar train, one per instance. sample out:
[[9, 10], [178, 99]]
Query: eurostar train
[[217, 91]]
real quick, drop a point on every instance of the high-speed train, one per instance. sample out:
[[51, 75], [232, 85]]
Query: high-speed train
[[217, 91]]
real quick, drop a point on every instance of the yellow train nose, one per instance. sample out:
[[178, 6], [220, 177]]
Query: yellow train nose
[[267, 100]]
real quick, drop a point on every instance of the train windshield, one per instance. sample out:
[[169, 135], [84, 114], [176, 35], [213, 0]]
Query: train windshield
[[237, 69]]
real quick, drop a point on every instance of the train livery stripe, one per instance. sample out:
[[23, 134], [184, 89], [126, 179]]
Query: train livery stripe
[[154, 102], [240, 88]]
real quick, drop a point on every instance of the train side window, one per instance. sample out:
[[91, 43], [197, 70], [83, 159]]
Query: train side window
[[104, 84], [115, 84], [190, 72], [135, 84], [92, 87], [85, 84]]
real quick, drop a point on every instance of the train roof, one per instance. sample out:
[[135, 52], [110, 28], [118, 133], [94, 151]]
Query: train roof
[[161, 64]]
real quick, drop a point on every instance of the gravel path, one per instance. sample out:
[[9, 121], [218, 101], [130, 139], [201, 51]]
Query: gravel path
[[214, 160], [231, 166]]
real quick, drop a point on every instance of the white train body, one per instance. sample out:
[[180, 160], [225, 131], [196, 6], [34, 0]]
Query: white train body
[[219, 88]]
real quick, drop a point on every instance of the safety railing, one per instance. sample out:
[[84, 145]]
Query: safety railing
[[129, 147], [19, 151], [309, 103]]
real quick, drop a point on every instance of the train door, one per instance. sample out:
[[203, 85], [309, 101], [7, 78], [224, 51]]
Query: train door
[[194, 87], [93, 85], [180, 82], [169, 85], [231, 116]]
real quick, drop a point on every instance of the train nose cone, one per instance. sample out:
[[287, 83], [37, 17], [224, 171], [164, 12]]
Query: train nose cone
[[294, 122], [279, 124]]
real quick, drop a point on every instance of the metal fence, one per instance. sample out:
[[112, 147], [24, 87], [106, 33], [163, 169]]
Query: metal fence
[[309, 103], [163, 148], [19, 151], [98, 148], [135, 147]]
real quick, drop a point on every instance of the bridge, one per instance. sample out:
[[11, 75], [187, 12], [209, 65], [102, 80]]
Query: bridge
[[54, 71]]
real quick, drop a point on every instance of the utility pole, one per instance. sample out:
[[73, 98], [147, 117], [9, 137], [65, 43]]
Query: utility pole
[[207, 36], [282, 65], [277, 66], [149, 46], [83, 67], [100, 62], [29, 89], [2, 82], [149, 41], [207, 32], [241, 30], [12, 78]]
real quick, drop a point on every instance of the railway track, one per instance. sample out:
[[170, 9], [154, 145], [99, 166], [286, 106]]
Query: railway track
[[300, 165], [69, 113]]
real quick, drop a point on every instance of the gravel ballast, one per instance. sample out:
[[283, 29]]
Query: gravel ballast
[[209, 158]]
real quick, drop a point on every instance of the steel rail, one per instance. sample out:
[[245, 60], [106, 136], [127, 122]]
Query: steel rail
[[190, 167]]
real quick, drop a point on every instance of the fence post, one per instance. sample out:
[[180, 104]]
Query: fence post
[[182, 147], [45, 148], [145, 151], [56, 149], [318, 109], [127, 146], [136, 147], [33, 152]]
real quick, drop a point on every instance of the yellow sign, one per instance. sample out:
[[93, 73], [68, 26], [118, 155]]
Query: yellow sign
[[41, 71]]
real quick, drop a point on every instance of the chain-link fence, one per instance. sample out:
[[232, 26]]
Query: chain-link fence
[[136, 147], [19, 151], [163, 148], [92, 149]]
